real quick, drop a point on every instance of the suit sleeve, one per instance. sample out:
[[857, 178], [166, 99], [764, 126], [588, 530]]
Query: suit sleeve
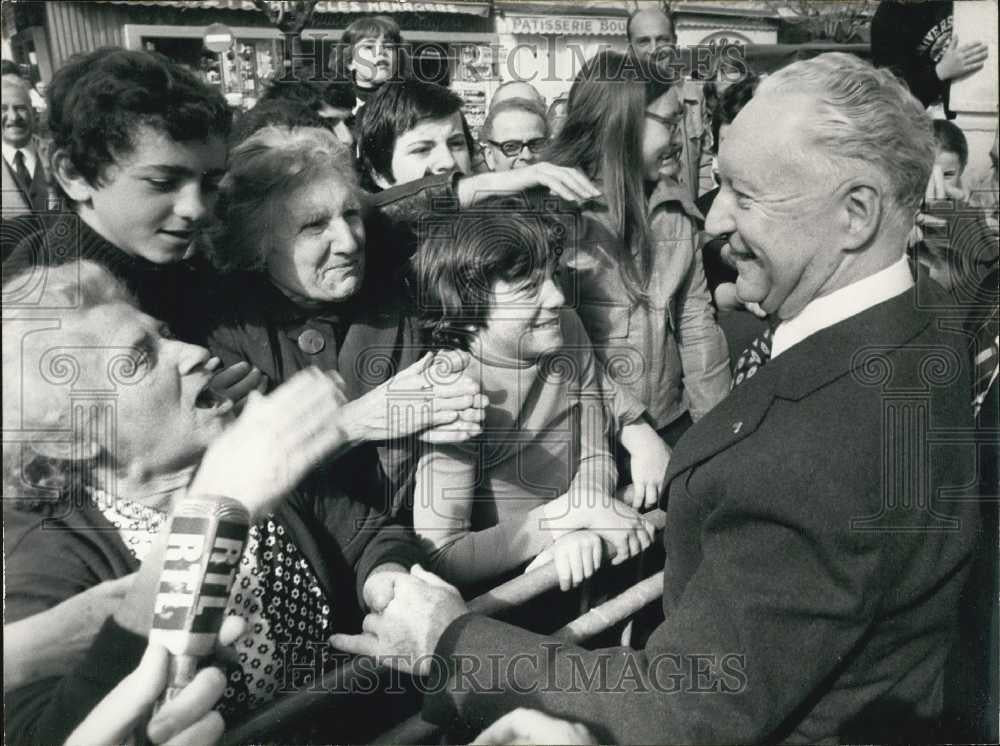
[[703, 349], [752, 635]]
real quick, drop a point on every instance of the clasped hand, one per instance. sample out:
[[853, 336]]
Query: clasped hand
[[404, 627]]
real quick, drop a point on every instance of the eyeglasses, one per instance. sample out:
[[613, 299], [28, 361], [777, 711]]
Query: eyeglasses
[[671, 124], [510, 148]]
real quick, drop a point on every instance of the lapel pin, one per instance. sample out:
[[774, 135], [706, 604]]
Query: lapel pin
[[737, 426]]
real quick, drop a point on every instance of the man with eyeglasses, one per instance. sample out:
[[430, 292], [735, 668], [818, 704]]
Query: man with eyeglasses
[[514, 134]]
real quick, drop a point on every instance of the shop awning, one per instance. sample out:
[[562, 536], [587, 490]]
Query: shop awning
[[623, 8], [468, 7]]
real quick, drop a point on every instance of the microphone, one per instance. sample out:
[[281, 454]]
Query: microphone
[[204, 546]]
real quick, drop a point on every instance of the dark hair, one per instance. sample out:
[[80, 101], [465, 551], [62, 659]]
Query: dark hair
[[274, 113], [9, 67], [397, 108], [948, 136], [731, 102], [313, 94], [602, 136], [369, 27], [561, 100], [462, 257], [98, 100]]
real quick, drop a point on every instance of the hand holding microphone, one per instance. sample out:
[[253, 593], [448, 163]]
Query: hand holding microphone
[[204, 546], [260, 459], [187, 719], [187, 576]]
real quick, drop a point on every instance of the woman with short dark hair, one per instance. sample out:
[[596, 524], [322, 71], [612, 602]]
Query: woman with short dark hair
[[541, 479]]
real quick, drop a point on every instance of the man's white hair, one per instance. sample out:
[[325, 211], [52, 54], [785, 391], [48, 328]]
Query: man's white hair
[[865, 115]]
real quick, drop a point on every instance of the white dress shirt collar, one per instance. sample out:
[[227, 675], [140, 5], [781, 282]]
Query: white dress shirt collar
[[30, 158], [841, 304]]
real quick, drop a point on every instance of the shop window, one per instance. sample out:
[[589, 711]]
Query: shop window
[[431, 63]]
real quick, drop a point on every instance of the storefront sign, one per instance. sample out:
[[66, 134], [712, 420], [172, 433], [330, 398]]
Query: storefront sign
[[397, 6], [568, 25], [218, 38]]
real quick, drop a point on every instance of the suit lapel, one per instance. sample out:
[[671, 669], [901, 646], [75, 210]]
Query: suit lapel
[[804, 368], [16, 200], [730, 421]]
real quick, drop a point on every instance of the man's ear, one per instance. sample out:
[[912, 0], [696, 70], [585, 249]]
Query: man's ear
[[489, 158], [77, 188], [863, 212]]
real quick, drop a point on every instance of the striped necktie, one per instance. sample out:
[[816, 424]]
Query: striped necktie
[[986, 360]]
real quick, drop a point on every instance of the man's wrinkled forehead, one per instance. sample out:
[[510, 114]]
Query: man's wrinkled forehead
[[649, 24], [14, 94]]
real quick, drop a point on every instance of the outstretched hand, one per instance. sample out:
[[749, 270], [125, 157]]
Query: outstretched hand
[[961, 59]]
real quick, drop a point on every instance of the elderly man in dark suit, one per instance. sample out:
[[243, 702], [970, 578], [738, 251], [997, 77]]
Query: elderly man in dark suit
[[25, 170], [817, 538]]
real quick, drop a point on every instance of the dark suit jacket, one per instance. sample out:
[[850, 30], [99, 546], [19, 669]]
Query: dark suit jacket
[[27, 199], [814, 559]]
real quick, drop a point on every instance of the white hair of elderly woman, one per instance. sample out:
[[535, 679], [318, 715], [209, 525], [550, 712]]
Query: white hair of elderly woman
[[264, 169]]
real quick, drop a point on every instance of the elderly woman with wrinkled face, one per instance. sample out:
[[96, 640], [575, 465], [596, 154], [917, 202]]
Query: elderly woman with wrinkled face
[[308, 291], [118, 427]]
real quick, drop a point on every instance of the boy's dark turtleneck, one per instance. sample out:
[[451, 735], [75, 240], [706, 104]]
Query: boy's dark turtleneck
[[363, 93]]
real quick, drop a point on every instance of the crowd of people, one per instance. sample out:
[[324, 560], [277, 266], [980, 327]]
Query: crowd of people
[[426, 359]]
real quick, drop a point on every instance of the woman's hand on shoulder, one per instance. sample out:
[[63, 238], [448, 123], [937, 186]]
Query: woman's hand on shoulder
[[571, 184], [433, 398]]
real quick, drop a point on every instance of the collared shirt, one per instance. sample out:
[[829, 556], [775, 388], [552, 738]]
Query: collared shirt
[[30, 157], [841, 304]]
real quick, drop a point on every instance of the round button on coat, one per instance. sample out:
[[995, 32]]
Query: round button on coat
[[311, 341]]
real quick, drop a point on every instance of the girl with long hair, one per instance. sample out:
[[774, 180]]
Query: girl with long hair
[[634, 273]]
